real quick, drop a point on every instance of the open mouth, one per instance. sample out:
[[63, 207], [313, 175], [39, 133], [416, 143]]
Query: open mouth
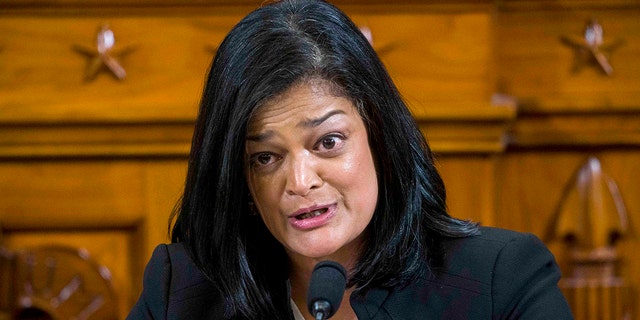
[[311, 214]]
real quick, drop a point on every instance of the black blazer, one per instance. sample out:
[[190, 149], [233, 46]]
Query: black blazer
[[499, 274]]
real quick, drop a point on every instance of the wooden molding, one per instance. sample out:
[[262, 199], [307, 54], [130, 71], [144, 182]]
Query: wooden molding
[[576, 129], [481, 130], [200, 3], [95, 140], [526, 5], [467, 130]]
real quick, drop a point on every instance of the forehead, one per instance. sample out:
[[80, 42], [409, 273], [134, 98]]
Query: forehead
[[303, 102]]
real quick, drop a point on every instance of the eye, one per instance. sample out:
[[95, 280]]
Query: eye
[[263, 159], [331, 142]]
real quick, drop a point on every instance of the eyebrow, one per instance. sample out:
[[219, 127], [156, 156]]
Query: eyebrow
[[316, 122], [260, 137], [310, 123]]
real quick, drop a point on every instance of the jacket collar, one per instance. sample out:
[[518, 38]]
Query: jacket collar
[[370, 304]]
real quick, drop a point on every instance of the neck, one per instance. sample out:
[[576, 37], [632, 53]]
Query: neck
[[302, 266]]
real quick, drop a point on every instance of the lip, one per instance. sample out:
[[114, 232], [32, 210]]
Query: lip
[[313, 222]]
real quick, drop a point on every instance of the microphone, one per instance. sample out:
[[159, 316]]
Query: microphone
[[326, 288]]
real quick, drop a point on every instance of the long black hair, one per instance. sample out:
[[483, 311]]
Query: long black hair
[[273, 48]]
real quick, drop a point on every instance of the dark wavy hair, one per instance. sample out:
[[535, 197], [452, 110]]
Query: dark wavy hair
[[273, 48]]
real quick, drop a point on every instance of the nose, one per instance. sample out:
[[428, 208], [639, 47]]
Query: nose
[[302, 176]]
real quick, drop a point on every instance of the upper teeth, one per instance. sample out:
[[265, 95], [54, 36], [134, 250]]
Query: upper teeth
[[310, 214]]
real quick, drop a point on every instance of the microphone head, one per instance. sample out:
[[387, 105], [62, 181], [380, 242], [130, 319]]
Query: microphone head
[[328, 282]]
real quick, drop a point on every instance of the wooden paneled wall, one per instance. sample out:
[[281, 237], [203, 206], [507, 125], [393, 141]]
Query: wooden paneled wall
[[509, 103]]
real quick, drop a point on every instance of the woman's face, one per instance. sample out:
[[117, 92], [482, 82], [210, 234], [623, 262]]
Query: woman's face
[[311, 172]]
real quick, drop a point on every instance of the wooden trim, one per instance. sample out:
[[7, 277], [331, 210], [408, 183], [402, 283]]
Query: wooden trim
[[462, 131], [528, 5], [95, 140], [176, 7], [208, 3], [506, 5], [467, 130], [578, 129]]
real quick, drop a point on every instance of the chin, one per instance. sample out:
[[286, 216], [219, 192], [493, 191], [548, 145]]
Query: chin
[[317, 252]]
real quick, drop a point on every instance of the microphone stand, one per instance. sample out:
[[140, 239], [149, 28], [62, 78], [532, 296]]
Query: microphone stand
[[321, 309]]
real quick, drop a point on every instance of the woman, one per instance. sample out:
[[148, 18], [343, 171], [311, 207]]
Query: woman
[[304, 151]]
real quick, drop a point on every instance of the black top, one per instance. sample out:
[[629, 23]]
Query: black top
[[498, 274]]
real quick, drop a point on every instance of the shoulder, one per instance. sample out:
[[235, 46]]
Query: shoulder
[[491, 238], [479, 258], [173, 285], [491, 248], [470, 262], [514, 269]]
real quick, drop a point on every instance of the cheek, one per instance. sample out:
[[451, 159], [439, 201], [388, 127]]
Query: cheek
[[266, 197], [359, 178], [266, 210]]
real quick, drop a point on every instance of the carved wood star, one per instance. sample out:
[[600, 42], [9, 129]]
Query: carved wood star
[[591, 48], [103, 56]]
